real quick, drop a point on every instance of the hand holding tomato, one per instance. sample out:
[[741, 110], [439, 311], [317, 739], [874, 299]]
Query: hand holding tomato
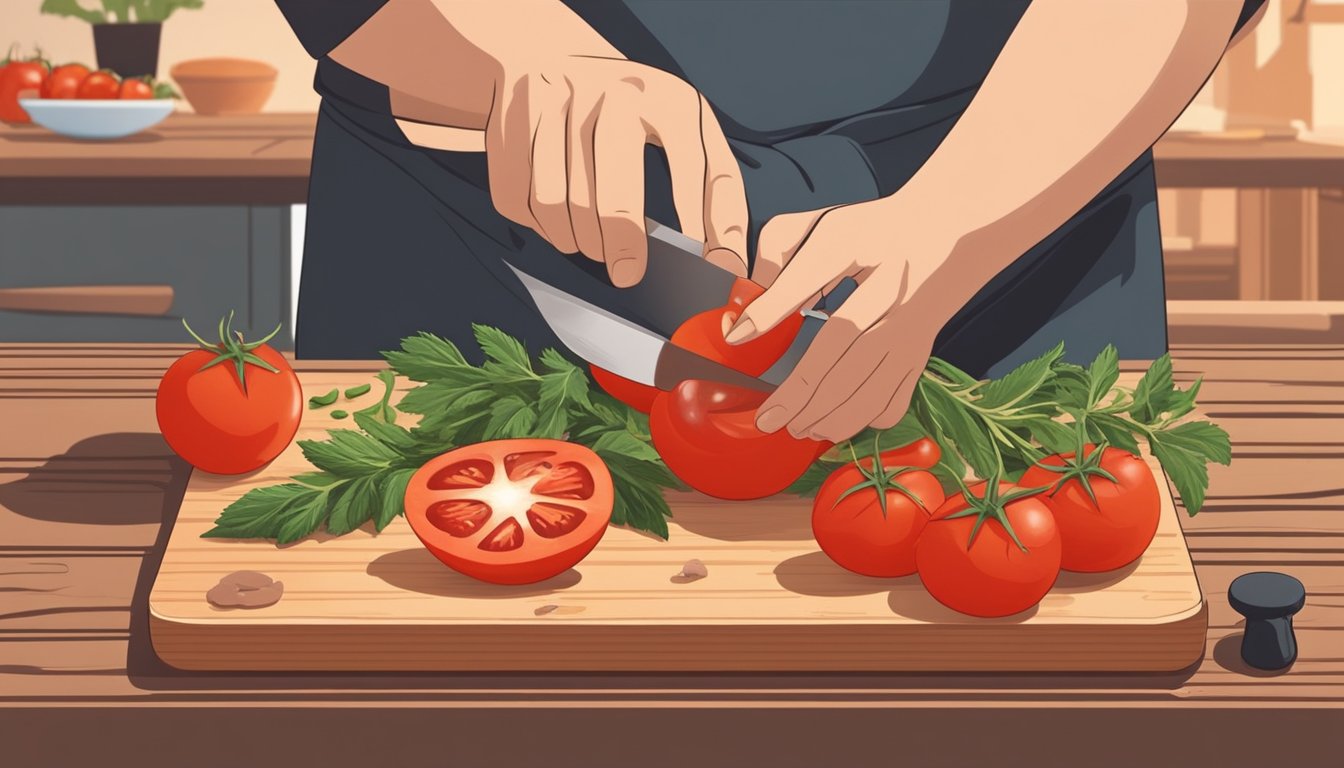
[[231, 407]]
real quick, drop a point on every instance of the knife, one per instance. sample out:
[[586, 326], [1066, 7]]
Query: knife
[[676, 276]]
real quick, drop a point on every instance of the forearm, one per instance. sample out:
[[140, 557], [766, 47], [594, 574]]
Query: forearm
[[442, 59], [1079, 91]]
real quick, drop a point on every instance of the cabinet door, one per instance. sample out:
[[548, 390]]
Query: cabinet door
[[193, 262]]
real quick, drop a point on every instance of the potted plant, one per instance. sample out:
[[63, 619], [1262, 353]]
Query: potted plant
[[125, 32]]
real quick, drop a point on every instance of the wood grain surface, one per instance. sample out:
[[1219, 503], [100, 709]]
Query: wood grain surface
[[89, 496], [772, 601]]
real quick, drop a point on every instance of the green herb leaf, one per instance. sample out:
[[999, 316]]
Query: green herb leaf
[[391, 497], [504, 354], [353, 392], [1019, 383], [1152, 397], [347, 453], [1184, 452], [510, 417], [1102, 375], [622, 442], [354, 506], [339, 414], [260, 513]]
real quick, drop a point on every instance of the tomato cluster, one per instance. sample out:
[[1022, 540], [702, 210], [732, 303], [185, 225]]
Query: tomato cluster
[[68, 81], [706, 431], [993, 549]]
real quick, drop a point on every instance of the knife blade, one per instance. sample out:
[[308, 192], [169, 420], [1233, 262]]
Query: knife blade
[[623, 347]]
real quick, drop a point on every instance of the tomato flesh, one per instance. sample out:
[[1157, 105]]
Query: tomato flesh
[[1117, 529], [208, 419], [990, 576], [511, 511]]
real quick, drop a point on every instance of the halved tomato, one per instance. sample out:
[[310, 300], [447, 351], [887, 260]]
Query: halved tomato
[[511, 511]]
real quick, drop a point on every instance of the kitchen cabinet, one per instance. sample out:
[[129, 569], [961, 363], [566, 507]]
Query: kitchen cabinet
[[188, 220]]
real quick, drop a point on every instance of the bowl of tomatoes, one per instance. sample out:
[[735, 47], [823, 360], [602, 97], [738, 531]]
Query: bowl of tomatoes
[[74, 101]]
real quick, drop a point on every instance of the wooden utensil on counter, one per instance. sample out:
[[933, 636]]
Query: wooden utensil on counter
[[142, 300]]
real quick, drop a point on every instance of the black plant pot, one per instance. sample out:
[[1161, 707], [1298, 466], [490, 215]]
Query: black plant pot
[[130, 50]]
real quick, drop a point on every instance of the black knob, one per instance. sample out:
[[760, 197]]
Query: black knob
[[1268, 601]]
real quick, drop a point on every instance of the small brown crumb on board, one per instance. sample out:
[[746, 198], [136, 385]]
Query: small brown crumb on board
[[245, 589], [693, 570]]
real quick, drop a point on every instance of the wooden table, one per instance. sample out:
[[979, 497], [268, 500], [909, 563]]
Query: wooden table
[[89, 495], [1287, 189]]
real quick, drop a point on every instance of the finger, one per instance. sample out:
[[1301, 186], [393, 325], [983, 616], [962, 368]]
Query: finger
[[834, 339], [725, 211], [508, 152], [780, 239], [838, 385], [582, 208], [899, 402], [676, 128], [861, 409], [548, 200], [618, 193], [797, 286]]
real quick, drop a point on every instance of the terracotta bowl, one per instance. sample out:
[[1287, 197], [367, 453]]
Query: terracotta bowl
[[225, 86]]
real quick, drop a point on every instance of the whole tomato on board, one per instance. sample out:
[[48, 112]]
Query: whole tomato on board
[[99, 85], [511, 511], [15, 77], [703, 334], [63, 82], [1106, 505], [706, 434], [993, 550], [868, 515], [231, 407]]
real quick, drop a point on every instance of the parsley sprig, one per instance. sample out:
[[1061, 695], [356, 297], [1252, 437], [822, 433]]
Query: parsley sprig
[[362, 474], [999, 428]]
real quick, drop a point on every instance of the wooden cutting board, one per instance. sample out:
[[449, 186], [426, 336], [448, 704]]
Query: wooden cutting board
[[771, 602]]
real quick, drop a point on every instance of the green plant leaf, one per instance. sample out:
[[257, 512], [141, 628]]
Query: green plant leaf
[[1184, 452], [1020, 382], [260, 512], [1104, 426], [72, 8], [1152, 396], [347, 453], [503, 352], [354, 506], [1102, 375], [626, 444], [305, 517], [955, 426], [397, 439], [639, 501], [430, 358], [391, 497], [510, 417]]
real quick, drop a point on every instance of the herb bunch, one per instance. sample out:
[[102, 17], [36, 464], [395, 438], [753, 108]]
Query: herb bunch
[[999, 428], [362, 474]]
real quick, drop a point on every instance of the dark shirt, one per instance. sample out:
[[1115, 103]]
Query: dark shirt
[[823, 102]]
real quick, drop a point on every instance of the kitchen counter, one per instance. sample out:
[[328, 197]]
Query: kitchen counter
[[265, 159], [89, 494]]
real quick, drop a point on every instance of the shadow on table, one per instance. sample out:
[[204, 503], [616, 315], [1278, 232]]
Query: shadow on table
[[416, 570], [101, 480], [1227, 654]]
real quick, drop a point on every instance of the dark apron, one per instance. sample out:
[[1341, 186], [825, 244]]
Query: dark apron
[[823, 103]]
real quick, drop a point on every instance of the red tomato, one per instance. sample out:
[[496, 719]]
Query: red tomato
[[1113, 525], [214, 422], [989, 574], [869, 520], [706, 433], [18, 76], [632, 393], [703, 334], [135, 88], [63, 82], [511, 511], [99, 85]]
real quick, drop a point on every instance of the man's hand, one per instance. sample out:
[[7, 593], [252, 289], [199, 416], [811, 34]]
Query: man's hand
[[566, 119], [862, 367], [565, 143]]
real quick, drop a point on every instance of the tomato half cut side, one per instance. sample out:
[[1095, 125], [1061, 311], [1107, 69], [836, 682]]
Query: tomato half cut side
[[511, 511]]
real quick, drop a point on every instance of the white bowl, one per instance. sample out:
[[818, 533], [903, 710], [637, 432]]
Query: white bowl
[[97, 118]]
